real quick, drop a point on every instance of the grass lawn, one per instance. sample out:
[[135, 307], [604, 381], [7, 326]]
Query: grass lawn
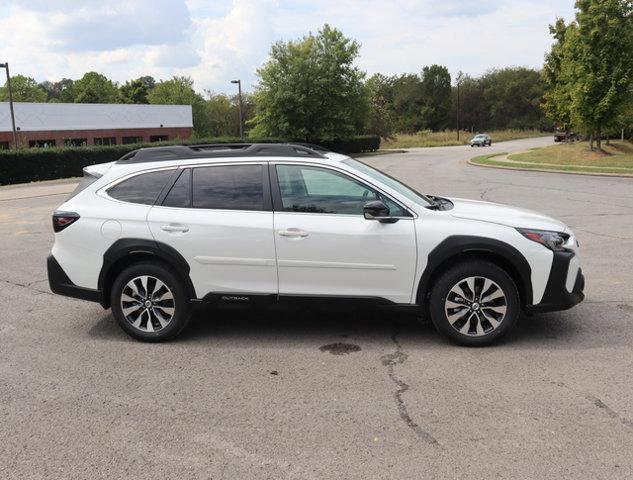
[[574, 157], [618, 154], [449, 137]]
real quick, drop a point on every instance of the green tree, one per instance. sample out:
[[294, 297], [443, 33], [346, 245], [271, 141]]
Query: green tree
[[435, 87], [381, 116], [600, 64], [24, 89], [513, 97], [179, 91], [310, 89], [473, 110], [95, 88], [407, 103], [136, 91], [557, 98], [224, 113], [61, 91]]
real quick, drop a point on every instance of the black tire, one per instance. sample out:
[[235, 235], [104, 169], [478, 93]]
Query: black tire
[[450, 279], [180, 303]]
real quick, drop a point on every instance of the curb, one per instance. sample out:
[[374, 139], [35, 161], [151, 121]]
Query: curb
[[566, 172]]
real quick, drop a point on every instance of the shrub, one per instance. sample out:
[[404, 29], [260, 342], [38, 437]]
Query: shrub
[[358, 144], [36, 164]]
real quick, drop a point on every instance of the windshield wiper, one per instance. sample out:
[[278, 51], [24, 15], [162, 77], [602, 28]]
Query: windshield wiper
[[438, 203]]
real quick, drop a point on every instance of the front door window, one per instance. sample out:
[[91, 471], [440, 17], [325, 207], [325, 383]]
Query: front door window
[[310, 189]]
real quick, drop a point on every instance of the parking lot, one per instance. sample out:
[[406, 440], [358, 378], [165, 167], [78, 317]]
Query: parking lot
[[252, 394]]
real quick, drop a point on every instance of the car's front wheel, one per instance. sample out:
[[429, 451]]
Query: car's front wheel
[[150, 302], [474, 303]]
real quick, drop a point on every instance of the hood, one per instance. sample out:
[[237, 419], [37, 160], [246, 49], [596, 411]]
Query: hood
[[503, 215]]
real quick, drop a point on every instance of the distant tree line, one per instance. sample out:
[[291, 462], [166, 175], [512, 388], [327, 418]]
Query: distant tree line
[[499, 99], [310, 89]]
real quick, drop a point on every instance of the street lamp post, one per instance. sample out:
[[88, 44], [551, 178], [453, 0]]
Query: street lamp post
[[458, 110], [239, 96], [15, 137], [459, 80]]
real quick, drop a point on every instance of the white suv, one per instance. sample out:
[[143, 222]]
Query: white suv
[[164, 227]]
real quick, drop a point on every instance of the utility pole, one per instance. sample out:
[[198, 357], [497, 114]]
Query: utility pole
[[458, 110], [15, 137], [460, 74], [239, 96]]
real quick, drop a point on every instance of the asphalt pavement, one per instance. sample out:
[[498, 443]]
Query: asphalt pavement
[[326, 394]]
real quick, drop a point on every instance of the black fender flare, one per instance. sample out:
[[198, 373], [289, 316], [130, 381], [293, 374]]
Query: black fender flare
[[126, 247], [458, 246]]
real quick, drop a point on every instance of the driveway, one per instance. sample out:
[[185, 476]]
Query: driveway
[[247, 394]]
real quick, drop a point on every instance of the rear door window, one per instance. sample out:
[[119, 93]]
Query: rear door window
[[228, 187]]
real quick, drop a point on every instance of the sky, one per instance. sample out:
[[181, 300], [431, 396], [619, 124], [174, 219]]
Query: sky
[[215, 41]]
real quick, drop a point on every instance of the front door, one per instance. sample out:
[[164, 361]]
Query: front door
[[219, 218], [325, 247]]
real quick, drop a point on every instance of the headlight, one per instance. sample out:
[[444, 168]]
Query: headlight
[[553, 240]]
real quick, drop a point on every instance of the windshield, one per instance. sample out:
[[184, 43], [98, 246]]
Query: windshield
[[391, 182]]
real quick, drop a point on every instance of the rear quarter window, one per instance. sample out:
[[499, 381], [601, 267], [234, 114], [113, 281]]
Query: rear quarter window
[[143, 188]]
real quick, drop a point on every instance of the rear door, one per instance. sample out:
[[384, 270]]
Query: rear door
[[219, 218], [325, 247]]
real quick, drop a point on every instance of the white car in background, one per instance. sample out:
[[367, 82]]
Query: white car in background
[[162, 228], [481, 140]]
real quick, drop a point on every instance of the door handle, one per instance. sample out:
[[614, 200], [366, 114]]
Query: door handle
[[293, 232], [174, 228]]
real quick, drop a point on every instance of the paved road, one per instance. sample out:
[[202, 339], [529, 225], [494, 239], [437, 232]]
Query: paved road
[[252, 395]]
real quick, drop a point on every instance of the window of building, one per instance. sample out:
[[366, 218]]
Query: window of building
[[105, 140], [158, 138], [41, 143], [180, 193], [75, 142], [320, 190], [128, 140], [228, 187], [143, 188], [4, 145]]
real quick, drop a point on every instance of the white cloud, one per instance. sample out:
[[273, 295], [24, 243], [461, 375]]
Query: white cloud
[[216, 41]]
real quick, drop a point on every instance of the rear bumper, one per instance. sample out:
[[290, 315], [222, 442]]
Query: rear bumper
[[557, 295], [62, 285]]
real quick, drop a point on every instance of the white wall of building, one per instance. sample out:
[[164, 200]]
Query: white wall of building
[[93, 116]]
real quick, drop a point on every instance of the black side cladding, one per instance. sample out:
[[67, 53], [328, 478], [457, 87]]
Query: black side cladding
[[123, 251], [62, 285], [457, 245]]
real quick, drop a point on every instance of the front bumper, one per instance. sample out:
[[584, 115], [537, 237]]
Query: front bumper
[[62, 285], [562, 290]]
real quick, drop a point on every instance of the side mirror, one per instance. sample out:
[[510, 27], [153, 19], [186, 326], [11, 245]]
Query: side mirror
[[377, 210]]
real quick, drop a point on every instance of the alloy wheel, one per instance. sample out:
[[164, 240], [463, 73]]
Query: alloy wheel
[[147, 303], [475, 306]]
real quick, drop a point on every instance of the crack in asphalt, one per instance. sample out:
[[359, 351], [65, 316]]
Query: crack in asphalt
[[390, 361], [26, 285], [605, 235], [597, 402], [33, 196]]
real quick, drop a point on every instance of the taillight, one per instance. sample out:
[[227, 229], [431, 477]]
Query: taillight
[[62, 219]]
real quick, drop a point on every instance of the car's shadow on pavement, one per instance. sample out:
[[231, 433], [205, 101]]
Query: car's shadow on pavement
[[281, 327]]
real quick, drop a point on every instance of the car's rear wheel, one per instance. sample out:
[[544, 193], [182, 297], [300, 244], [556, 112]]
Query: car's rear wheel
[[150, 302], [474, 303]]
